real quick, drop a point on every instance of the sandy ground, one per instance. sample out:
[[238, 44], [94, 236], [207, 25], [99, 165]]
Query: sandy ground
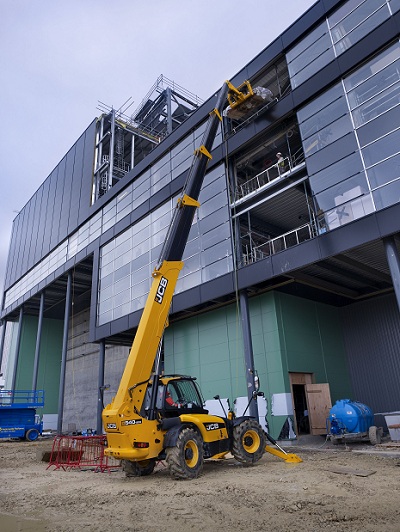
[[272, 495]]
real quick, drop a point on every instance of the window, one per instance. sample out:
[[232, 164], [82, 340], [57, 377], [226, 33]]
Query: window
[[310, 55], [354, 20]]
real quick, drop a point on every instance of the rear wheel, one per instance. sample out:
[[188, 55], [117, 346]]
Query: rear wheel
[[248, 442], [374, 435], [185, 460], [32, 435], [138, 469]]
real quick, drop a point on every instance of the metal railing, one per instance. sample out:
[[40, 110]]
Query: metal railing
[[263, 178], [280, 243], [271, 173]]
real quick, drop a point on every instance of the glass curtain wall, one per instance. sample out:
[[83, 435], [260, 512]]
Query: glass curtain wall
[[336, 174], [373, 93], [126, 262], [351, 139], [340, 31]]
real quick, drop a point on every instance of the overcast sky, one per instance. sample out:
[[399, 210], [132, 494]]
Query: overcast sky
[[59, 58]]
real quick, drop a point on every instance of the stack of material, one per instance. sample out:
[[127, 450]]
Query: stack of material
[[261, 97]]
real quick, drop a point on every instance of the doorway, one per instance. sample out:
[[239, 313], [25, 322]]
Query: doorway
[[311, 404], [300, 409]]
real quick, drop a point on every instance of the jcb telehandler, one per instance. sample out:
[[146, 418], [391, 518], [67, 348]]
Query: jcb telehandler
[[155, 417]]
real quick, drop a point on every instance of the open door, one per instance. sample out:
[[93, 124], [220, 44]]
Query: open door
[[319, 404]]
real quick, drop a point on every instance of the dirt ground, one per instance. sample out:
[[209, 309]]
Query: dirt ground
[[270, 496]]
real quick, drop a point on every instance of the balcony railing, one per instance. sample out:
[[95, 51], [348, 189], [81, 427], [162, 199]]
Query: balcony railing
[[275, 171], [279, 243]]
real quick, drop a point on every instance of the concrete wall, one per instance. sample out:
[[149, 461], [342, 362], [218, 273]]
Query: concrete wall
[[81, 379]]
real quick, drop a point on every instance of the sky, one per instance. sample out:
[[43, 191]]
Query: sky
[[58, 59]]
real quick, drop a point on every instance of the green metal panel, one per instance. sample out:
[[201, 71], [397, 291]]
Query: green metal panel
[[49, 360], [312, 342], [289, 334]]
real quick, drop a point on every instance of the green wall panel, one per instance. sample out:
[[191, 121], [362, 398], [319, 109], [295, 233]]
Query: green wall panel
[[313, 342], [289, 334], [49, 359]]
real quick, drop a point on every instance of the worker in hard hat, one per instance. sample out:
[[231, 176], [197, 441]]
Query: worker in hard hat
[[281, 162]]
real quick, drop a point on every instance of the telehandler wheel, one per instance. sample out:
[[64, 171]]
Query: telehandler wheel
[[185, 460], [138, 469], [248, 442]]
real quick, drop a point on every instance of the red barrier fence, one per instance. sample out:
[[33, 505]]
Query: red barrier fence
[[81, 452]]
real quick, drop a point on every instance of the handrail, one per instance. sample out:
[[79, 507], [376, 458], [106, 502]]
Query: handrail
[[279, 243]]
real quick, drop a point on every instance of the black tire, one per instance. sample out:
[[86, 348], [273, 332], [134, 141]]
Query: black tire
[[248, 442], [185, 460], [374, 435], [138, 469], [32, 435]]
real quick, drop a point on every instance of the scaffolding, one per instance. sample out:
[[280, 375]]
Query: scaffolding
[[123, 140]]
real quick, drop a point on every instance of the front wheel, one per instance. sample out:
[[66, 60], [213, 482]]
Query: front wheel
[[138, 469], [248, 442], [185, 460]]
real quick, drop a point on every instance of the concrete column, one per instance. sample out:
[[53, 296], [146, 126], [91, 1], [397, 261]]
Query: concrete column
[[17, 348], [38, 341], [67, 312], [100, 406], [394, 264]]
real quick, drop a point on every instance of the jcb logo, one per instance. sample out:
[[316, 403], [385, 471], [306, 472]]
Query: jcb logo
[[162, 285], [212, 426]]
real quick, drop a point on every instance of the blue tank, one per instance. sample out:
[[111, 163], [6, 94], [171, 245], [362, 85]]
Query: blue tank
[[349, 417]]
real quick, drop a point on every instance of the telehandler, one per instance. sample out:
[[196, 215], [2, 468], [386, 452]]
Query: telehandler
[[162, 417]]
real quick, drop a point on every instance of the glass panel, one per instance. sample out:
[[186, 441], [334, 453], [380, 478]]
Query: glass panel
[[377, 105], [328, 135], [374, 84], [384, 172], [352, 16], [219, 234], [310, 55], [182, 152], [105, 317], [394, 5], [342, 192], [349, 211], [337, 172], [326, 115], [188, 281], [216, 269], [363, 29], [382, 148], [122, 287], [319, 103], [387, 195], [315, 66], [374, 66], [305, 43]]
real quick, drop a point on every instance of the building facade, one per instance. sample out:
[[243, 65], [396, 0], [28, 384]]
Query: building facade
[[292, 265]]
